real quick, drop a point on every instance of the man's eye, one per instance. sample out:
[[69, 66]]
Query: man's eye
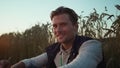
[[54, 26], [63, 24]]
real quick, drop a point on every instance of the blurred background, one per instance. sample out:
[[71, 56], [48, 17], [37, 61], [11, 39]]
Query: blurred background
[[25, 26]]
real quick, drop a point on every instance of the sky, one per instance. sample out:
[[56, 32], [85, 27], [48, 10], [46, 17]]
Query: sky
[[19, 15]]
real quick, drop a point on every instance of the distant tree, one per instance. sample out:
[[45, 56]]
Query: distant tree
[[115, 27], [94, 25], [36, 39]]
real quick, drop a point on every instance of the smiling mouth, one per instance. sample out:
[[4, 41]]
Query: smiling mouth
[[59, 36]]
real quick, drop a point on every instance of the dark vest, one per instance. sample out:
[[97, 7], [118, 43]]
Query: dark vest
[[53, 49]]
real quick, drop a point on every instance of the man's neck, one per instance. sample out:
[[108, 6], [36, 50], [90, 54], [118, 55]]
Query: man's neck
[[65, 47], [68, 45]]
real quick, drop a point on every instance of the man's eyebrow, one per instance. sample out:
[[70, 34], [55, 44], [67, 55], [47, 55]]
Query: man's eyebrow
[[63, 23]]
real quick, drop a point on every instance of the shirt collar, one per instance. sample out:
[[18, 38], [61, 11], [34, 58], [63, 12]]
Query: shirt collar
[[65, 51]]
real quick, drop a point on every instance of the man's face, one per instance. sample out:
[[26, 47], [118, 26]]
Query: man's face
[[63, 28]]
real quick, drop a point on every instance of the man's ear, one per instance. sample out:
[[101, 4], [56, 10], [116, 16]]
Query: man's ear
[[76, 26]]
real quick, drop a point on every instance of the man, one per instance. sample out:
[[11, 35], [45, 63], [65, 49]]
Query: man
[[71, 50]]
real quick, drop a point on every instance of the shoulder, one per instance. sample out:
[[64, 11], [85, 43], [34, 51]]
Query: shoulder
[[53, 49], [83, 39], [53, 46], [88, 41], [92, 42], [92, 47]]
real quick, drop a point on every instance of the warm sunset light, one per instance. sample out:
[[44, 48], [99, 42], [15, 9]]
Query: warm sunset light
[[18, 15], [60, 33]]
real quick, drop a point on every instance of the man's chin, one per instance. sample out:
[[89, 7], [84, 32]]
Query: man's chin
[[60, 41]]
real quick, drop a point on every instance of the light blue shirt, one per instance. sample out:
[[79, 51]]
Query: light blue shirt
[[90, 55]]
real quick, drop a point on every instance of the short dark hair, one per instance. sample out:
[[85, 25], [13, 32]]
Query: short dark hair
[[64, 10]]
